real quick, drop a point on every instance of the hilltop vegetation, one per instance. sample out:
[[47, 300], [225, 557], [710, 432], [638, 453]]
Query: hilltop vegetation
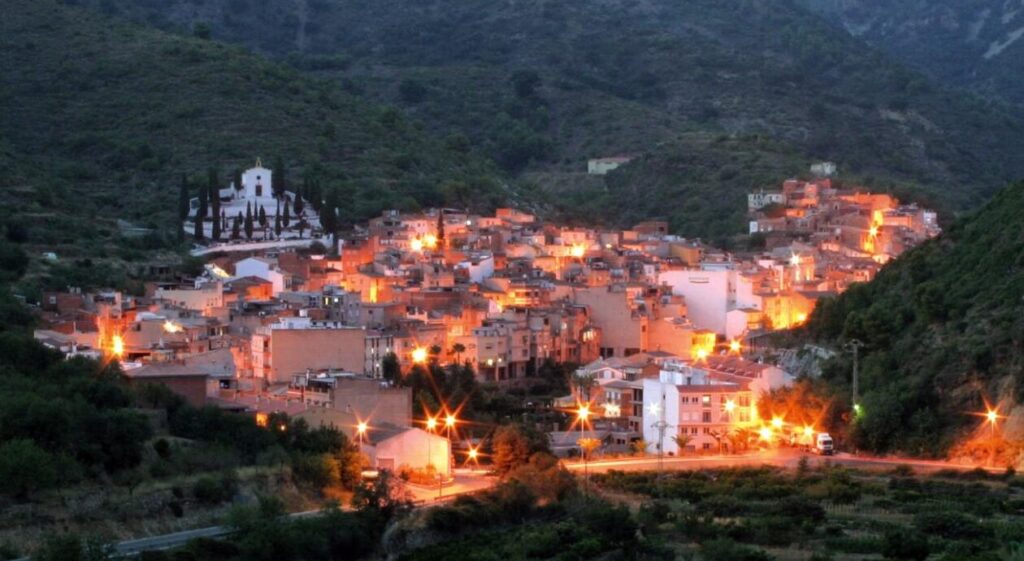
[[975, 45], [104, 117], [943, 332], [542, 86]]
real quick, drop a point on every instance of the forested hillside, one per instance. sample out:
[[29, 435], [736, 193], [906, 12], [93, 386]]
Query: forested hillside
[[943, 331], [102, 118], [542, 86], [976, 45]]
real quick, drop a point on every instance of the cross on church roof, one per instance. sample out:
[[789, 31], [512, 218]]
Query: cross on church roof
[[259, 163]]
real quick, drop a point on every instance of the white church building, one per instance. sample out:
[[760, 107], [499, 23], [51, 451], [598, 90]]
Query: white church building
[[256, 192]]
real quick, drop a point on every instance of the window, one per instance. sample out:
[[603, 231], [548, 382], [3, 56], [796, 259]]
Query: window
[[693, 430], [706, 400], [707, 446], [707, 417]]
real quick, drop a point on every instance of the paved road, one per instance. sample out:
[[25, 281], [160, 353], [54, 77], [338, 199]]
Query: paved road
[[782, 458]]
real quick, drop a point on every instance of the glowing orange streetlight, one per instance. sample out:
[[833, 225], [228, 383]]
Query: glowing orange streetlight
[[794, 260], [117, 346], [361, 428], [702, 354], [449, 424], [730, 406], [419, 355], [735, 346], [777, 422], [582, 414], [473, 454], [431, 423], [765, 434]]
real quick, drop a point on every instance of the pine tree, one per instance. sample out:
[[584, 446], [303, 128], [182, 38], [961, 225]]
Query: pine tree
[[263, 217], [286, 221], [278, 178], [236, 227], [248, 221], [184, 206]]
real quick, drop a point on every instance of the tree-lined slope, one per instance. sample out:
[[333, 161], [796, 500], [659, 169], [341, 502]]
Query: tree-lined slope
[[545, 85], [106, 116], [944, 330]]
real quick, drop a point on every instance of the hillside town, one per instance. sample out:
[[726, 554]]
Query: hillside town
[[663, 332]]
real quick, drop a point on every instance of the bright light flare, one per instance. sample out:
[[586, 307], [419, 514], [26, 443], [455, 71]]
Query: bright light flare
[[765, 434], [873, 231], [583, 413], [117, 346], [430, 241], [808, 431], [801, 317], [730, 406], [473, 454], [171, 327], [735, 346], [654, 408], [777, 422], [431, 423], [419, 355], [578, 250], [361, 427], [992, 416], [794, 260], [416, 245], [449, 421], [702, 354]]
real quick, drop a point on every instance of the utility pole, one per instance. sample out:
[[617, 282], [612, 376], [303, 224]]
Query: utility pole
[[661, 425], [854, 346]]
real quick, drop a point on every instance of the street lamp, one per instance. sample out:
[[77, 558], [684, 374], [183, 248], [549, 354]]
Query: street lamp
[[419, 355], [582, 414], [735, 346], [361, 431]]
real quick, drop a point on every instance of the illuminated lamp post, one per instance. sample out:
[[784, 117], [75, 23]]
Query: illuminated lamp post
[[854, 346], [582, 414], [361, 428]]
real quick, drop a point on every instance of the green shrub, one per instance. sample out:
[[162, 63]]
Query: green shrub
[[951, 526], [728, 550], [905, 545]]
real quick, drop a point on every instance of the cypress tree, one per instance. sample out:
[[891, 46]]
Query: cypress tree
[[287, 217], [440, 227], [197, 230], [184, 208], [298, 206], [278, 178], [316, 196], [277, 224], [236, 227], [215, 224], [236, 178], [248, 221], [263, 216], [204, 206]]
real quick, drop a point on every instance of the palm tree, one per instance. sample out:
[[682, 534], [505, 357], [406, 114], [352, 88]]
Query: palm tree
[[457, 350], [682, 440]]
